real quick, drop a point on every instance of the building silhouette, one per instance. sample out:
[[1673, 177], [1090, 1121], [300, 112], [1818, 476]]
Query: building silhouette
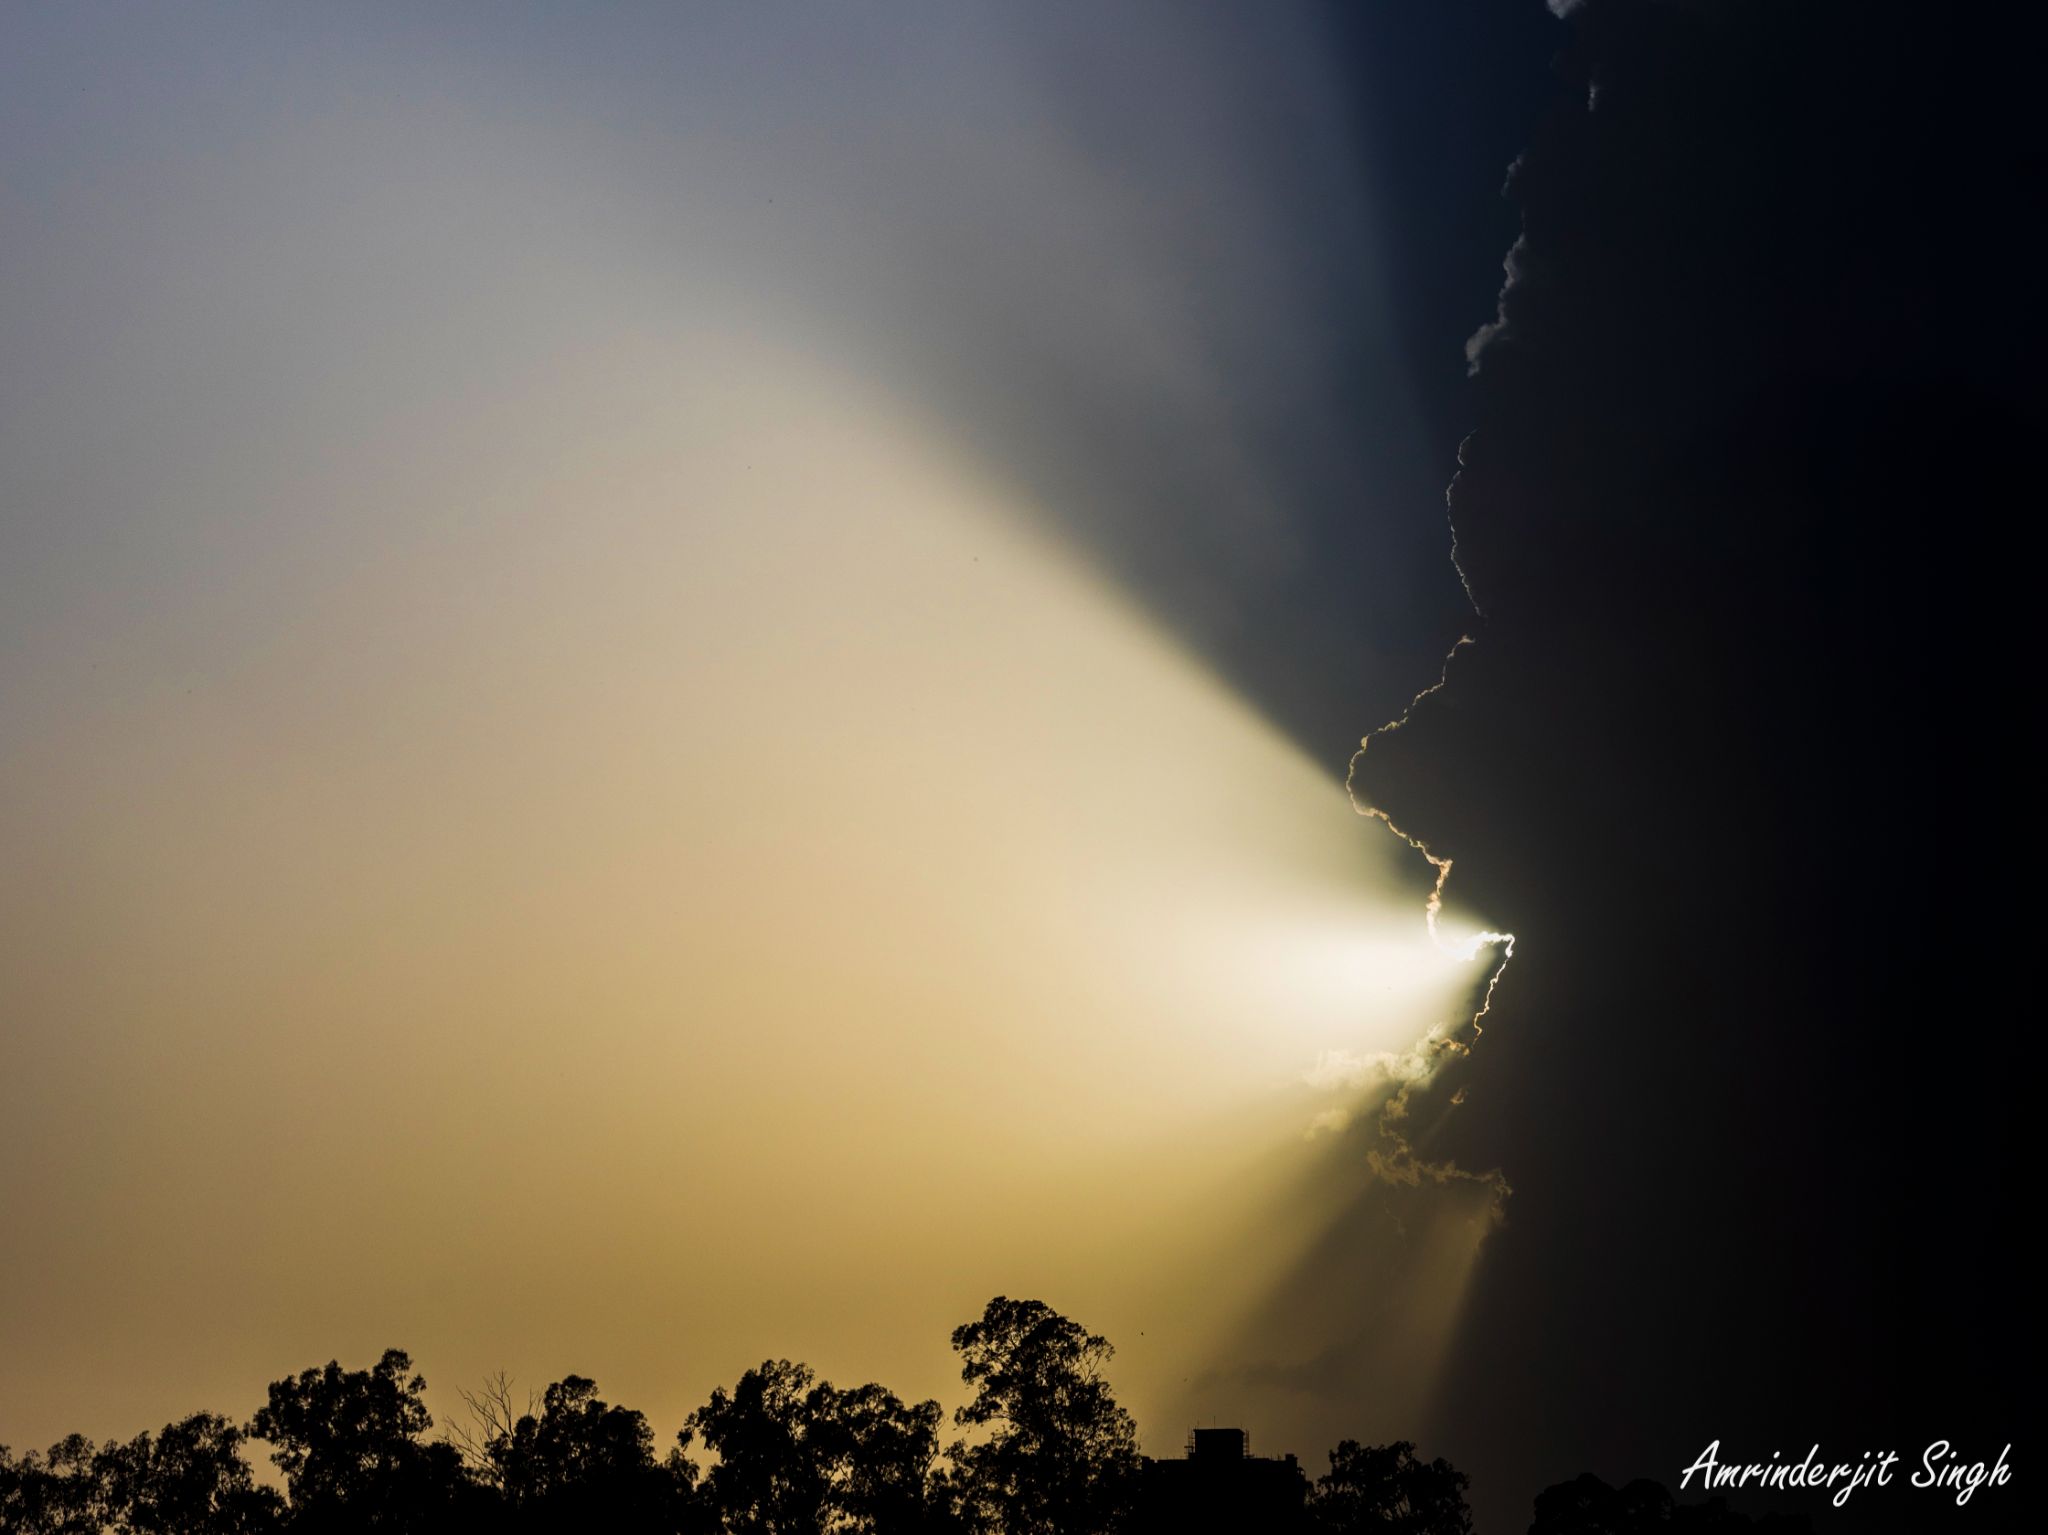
[[1220, 1488]]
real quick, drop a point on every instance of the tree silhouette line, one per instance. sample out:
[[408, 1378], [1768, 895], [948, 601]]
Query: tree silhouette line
[[1045, 1449]]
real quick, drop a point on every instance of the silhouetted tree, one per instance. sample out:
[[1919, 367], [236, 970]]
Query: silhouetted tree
[[57, 1492], [1588, 1506], [188, 1480], [769, 1477], [583, 1464], [1384, 1489], [1060, 1456], [493, 1413], [797, 1456], [353, 1449], [881, 1454], [1054, 1455]]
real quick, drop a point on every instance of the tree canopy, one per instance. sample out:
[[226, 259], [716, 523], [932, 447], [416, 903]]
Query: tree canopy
[[581, 1460], [1385, 1490], [1044, 1449], [797, 1455], [1055, 1454]]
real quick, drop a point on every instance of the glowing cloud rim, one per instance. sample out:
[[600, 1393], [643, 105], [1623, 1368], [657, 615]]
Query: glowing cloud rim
[[1394, 1158]]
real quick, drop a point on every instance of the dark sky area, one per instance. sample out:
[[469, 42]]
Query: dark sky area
[[1332, 305], [1738, 752]]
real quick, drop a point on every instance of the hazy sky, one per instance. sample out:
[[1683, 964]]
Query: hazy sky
[[674, 683], [624, 735]]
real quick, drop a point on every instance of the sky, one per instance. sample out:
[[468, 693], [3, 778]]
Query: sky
[[680, 685], [1723, 757], [676, 690]]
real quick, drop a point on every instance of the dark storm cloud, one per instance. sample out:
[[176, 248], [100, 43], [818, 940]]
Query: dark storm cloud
[[1198, 309], [1735, 515]]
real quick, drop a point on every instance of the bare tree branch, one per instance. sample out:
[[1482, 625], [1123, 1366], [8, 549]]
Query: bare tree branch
[[492, 1414]]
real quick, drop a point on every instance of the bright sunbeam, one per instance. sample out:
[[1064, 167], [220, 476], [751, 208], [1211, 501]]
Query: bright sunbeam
[[831, 865], [556, 791]]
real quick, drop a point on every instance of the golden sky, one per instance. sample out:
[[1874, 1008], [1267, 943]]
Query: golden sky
[[553, 819]]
